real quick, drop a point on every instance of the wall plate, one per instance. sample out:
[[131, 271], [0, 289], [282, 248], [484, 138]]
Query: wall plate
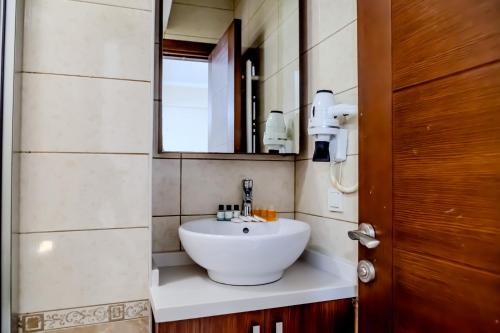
[[335, 200]]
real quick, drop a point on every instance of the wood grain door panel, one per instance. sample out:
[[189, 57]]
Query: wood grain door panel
[[446, 167], [433, 295], [434, 38]]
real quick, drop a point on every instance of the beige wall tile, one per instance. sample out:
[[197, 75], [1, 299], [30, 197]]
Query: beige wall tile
[[269, 56], [189, 218], [262, 23], [127, 326], [288, 39], [246, 9], [289, 87], [333, 63], [287, 215], [166, 187], [286, 7], [79, 268], [59, 319], [329, 237], [194, 21], [137, 4], [312, 184], [79, 38], [326, 17], [165, 234], [223, 4], [83, 191], [269, 97], [205, 184], [247, 157], [67, 113]]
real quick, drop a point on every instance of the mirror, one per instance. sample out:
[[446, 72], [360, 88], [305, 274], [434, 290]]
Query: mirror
[[230, 76]]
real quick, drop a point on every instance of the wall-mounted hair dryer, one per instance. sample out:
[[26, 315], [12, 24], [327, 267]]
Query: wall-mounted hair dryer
[[325, 123]]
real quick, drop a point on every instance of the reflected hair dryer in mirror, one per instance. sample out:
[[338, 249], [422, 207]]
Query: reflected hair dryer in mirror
[[275, 135], [325, 126]]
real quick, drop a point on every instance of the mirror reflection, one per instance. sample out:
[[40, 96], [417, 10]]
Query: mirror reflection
[[230, 76]]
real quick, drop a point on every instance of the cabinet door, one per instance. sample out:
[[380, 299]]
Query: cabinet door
[[232, 323], [246, 321], [324, 317], [288, 319], [328, 317]]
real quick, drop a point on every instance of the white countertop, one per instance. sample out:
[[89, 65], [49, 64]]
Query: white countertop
[[185, 291]]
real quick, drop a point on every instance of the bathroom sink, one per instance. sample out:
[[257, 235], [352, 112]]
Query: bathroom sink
[[246, 253]]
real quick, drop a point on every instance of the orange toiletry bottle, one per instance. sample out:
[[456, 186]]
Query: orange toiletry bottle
[[272, 216]]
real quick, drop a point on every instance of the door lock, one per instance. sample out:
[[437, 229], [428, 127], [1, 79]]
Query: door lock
[[365, 235], [366, 271]]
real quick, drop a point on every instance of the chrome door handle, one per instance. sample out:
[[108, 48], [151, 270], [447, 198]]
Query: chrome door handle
[[365, 235]]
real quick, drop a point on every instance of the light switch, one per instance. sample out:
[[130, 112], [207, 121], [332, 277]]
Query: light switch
[[335, 200]]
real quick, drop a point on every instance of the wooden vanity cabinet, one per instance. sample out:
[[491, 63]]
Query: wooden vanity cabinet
[[323, 317]]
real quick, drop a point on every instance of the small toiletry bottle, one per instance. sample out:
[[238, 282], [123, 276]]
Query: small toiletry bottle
[[257, 211], [228, 214], [236, 211], [272, 216], [263, 214], [220, 213]]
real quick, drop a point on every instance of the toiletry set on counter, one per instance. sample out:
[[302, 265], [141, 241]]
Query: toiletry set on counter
[[233, 214]]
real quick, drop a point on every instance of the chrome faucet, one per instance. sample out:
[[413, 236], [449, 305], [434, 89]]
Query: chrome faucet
[[247, 197]]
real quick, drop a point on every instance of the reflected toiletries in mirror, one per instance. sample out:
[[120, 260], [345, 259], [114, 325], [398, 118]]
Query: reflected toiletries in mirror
[[232, 86]]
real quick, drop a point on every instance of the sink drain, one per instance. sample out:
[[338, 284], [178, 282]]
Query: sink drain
[[246, 230]]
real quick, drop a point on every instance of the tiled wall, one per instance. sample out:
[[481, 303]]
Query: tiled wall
[[330, 62], [272, 26], [199, 20], [85, 165], [190, 186]]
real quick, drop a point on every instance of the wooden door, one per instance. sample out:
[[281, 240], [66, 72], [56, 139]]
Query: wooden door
[[429, 104], [224, 86]]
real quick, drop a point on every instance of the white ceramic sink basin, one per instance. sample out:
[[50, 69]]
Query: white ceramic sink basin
[[244, 253]]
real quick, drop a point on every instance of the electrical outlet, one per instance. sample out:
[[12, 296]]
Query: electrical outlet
[[335, 200]]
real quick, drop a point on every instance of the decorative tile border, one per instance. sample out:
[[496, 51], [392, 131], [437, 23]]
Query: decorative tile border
[[90, 315]]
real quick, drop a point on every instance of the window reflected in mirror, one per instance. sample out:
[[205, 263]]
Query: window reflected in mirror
[[185, 105]]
